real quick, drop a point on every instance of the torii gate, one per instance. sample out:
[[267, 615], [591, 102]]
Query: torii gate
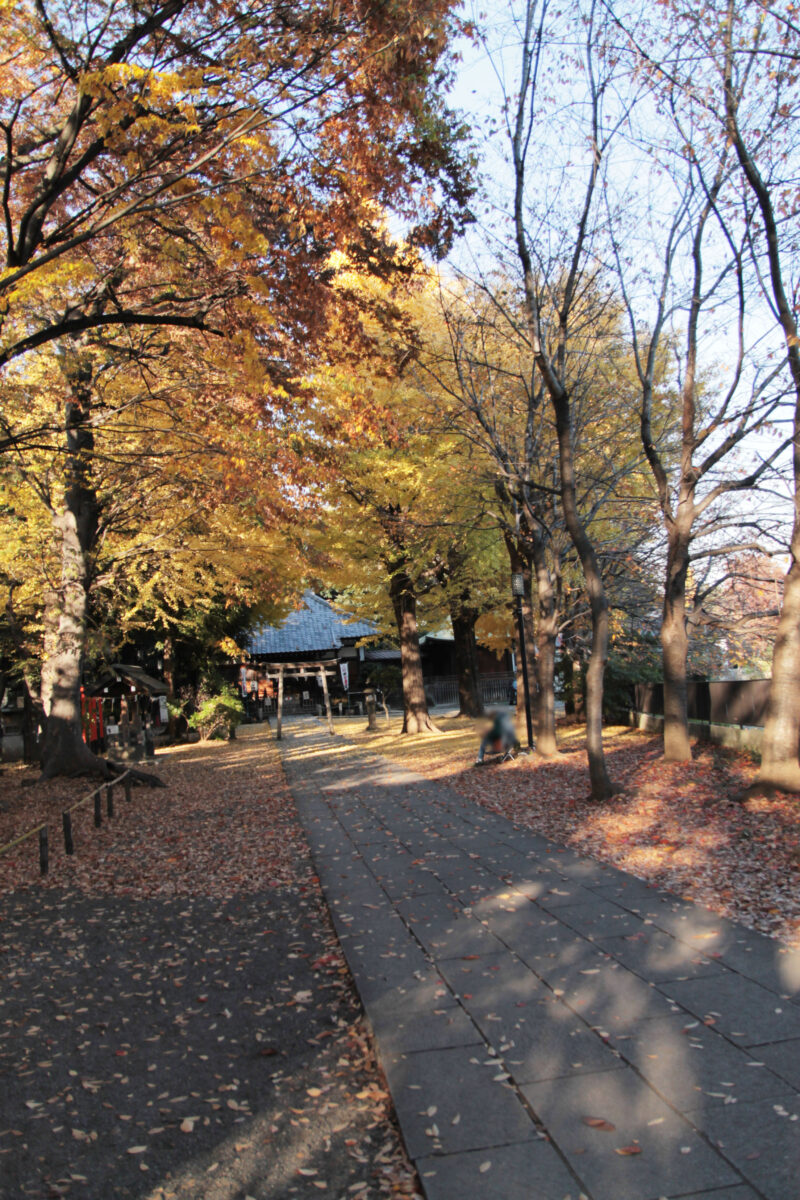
[[301, 670]]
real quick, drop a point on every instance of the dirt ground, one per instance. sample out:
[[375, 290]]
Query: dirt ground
[[176, 1020]]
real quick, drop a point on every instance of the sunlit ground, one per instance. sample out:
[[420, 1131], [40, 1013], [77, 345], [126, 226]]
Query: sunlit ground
[[684, 826]]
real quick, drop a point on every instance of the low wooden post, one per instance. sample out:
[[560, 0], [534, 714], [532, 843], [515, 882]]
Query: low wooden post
[[326, 694], [126, 783], [98, 810], [44, 851], [279, 729], [110, 800], [66, 821]]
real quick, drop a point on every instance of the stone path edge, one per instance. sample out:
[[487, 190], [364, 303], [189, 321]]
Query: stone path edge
[[447, 1049]]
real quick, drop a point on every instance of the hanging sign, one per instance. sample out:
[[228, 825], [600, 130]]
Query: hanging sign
[[344, 671]]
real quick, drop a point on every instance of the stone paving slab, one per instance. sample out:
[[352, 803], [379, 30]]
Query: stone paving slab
[[693, 1067], [672, 1158], [783, 1058], [516, 989], [524, 1171], [760, 1139], [453, 1100], [657, 957], [733, 1193], [741, 1009]]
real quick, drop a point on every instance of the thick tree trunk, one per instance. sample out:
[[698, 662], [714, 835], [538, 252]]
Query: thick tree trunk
[[674, 651], [466, 650], [49, 649], [546, 634], [416, 718], [545, 716], [779, 748], [169, 680], [64, 751]]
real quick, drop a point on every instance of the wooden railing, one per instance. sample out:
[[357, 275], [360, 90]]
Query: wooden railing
[[66, 820]]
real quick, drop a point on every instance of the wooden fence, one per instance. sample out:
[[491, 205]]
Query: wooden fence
[[443, 689], [712, 702], [43, 829]]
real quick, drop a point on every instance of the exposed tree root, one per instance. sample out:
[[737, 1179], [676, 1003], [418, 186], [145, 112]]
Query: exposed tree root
[[93, 766]]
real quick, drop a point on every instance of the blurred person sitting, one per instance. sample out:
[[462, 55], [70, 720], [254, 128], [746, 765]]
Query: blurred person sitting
[[501, 736]]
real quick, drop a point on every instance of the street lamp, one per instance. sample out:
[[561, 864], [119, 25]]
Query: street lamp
[[518, 591]]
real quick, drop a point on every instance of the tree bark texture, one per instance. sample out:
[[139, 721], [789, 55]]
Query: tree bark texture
[[601, 785], [675, 649], [169, 680], [779, 749], [416, 718], [553, 377], [64, 751], [545, 665], [520, 564], [466, 651]]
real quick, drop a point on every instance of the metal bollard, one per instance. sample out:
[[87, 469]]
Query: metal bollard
[[44, 851], [126, 783], [69, 845]]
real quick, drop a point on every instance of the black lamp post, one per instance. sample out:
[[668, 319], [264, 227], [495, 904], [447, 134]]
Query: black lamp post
[[518, 591]]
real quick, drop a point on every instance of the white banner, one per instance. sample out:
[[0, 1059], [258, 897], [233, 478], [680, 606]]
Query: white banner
[[344, 671]]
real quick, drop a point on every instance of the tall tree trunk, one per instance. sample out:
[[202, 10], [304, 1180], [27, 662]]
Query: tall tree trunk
[[779, 748], [169, 680], [469, 694], [64, 751], [675, 649], [519, 710], [553, 377], [601, 785], [51, 601], [30, 748], [781, 741], [520, 565], [529, 624], [546, 634], [416, 718]]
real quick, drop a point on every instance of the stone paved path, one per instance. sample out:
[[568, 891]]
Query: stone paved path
[[518, 991]]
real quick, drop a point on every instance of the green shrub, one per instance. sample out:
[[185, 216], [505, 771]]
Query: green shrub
[[219, 715], [627, 666]]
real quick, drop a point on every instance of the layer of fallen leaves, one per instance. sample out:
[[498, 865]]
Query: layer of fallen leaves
[[223, 824], [682, 826], [176, 1017]]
